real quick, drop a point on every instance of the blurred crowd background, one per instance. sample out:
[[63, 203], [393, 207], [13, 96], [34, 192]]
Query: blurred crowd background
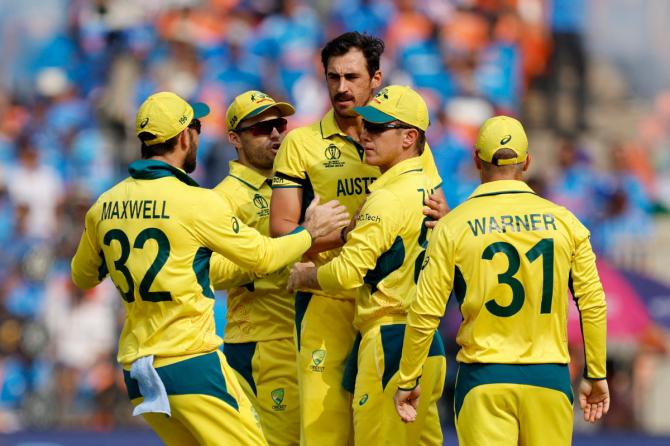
[[589, 79]]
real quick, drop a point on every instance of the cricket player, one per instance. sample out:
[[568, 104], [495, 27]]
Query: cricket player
[[510, 257], [258, 342], [381, 260], [154, 234], [327, 159]]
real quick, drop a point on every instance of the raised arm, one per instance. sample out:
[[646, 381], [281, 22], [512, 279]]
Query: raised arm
[[369, 238], [224, 233], [291, 192], [286, 214]]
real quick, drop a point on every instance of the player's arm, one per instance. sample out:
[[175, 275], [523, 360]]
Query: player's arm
[[590, 298], [286, 215], [375, 231], [224, 233], [588, 292], [287, 205], [434, 287], [373, 235], [88, 267], [225, 274]]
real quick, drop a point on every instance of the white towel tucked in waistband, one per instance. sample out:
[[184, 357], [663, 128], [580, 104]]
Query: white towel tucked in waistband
[[151, 387]]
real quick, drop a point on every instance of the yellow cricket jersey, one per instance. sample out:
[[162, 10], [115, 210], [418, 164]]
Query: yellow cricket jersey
[[385, 250], [510, 257], [322, 159], [259, 309], [154, 233]]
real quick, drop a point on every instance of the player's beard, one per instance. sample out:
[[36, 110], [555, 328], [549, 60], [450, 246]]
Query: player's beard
[[261, 157], [190, 161]]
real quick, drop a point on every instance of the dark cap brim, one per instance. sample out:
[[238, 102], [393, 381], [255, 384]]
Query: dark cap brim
[[200, 109], [371, 114], [284, 108]]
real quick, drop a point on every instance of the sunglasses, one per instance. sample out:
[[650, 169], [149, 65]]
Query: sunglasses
[[264, 128], [377, 128], [195, 125]]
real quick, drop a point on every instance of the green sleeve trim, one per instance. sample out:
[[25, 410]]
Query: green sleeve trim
[[290, 178], [409, 389], [592, 379], [296, 230]]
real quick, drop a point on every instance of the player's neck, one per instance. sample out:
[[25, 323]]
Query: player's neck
[[488, 177], [171, 159], [352, 126], [405, 155]]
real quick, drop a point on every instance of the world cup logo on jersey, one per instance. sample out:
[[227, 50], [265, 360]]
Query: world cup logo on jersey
[[318, 357], [261, 203], [333, 154], [277, 396]]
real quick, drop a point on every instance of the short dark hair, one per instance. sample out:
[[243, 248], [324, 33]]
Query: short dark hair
[[503, 154], [421, 141], [156, 149], [372, 48]]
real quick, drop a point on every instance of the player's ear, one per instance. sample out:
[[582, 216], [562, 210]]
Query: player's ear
[[527, 163], [183, 139], [410, 138], [376, 80], [475, 158], [234, 139]]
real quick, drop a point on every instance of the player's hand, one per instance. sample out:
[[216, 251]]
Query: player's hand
[[302, 276], [321, 220], [594, 399], [406, 403], [436, 208]]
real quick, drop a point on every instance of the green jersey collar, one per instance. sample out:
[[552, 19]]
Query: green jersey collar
[[414, 164], [154, 169], [247, 175], [501, 187]]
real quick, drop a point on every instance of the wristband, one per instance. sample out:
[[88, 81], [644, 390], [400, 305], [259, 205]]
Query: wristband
[[343, 235]]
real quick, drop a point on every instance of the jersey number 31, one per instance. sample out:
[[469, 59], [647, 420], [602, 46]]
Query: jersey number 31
[[545, 249]]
